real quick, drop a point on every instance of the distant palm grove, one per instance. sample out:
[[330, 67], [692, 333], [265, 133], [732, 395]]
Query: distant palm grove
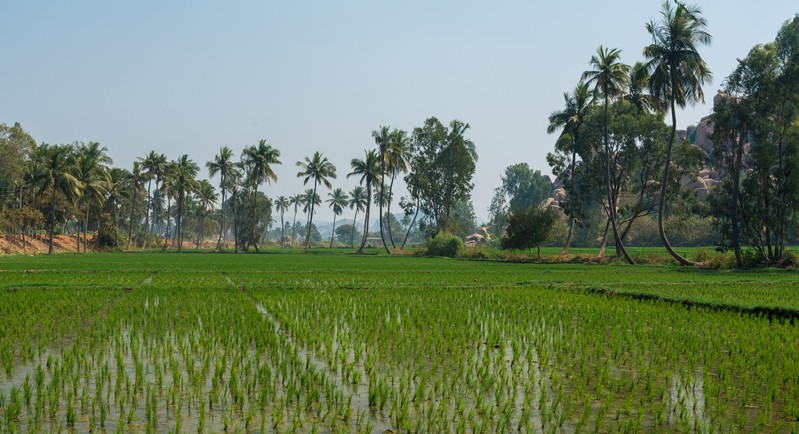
[[624, 174]]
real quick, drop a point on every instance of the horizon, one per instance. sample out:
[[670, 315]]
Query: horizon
[[185, 78]]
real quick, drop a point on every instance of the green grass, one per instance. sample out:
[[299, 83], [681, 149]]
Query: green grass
[[342, 343]]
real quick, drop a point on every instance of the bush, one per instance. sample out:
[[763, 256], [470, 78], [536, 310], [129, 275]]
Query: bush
[[528, 228], [444, 244]]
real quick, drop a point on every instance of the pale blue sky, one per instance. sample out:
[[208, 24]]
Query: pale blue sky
[[191, 76]]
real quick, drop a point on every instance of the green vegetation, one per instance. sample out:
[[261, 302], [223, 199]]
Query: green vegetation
[[335, 342]]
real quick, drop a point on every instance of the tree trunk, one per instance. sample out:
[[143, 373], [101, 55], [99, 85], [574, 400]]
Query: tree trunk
[[282, 230], [736, 179], [352, 235], [235, 222], [366, 219], [255, 219], [388, 211], [604, 240], [147, 214], [611, 200], [221, 219], [166, 231], [52, 218], [85, 228], [664, 185], [132, 213], [179, 222], [334, 231], [410, 227], [382, 199], [310, 219], [569, 237], [294, 227]]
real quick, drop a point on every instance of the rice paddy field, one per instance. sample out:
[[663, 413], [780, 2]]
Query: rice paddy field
[[328, 343]]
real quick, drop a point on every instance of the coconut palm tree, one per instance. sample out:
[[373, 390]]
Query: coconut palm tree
[[358, 203], [318, 169], [184, 183], [282, 204], [310, 200], [136, 182], [570, 119], [224, 165], [206, 197], [259, 160], [92, 172], [116, 190], [676, 75], [397, 163], [298, 202], [382, 138], [154, 164], [638, 88], [609, 77], [57, 178], [369, 171], [337, 201]]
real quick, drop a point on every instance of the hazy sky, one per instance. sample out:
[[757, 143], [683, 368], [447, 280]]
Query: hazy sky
[[191, 76]]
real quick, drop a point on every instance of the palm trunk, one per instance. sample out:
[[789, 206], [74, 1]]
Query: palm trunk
[[366, 219], [663, 186], [255, 219], [221, 219], [310, 219], [235, 222], [52, 218], [408, 232], [166, 231], [282, 230], [334, 231], [294, 227], [116, 223], [352, 236], [132, 212], [382, 199], [147, 214], [179, 222], [85, 228], [573, 191], [736, 179], [388, 211]]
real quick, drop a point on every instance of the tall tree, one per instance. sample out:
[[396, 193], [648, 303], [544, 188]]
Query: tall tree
[[259, 161], [298, 202], [92, 172], [206, 197], [185, 183], [135, 183], [116, 190], [317, 169], [570, 120], [337, 200], [442, 163], [609, 77], [396, 163], [677, 73], [153, 163], [282, 203], [369, 171], [58, 178], [382, 138], [15, 147], [358, 203], [224, 165]]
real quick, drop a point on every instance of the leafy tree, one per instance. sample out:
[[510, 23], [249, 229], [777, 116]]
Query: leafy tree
[[15, 147], [259, 160], [317, 169], [463, 218], [442, 163], [92, 172], [677, 73], [57, 179], [609, 77], [569, 120], [528, 228], [347, 233], [25, 218], [337, 201]]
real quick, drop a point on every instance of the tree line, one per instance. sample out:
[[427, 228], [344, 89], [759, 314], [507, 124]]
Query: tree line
[[158, 202]]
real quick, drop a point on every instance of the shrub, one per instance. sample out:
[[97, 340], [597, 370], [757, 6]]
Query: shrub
[[528, 228], [444, 244]]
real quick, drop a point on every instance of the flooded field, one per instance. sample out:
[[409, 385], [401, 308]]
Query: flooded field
[[309, 343]]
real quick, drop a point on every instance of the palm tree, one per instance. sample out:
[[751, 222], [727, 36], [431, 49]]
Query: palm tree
[[259, 160], [153, 163], [382, 138], [358, 203], [91, 171], [397, 163], [168, 190], [609, 77], [369, 171], [282, 203], [234, 181], [136, 182], [185, 171], [637, 89], [206, 197], [224, 165], [318, 169], [570, 119], [677, 73], [57, 177], [337, 201], [117, 181], [298, 201]]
